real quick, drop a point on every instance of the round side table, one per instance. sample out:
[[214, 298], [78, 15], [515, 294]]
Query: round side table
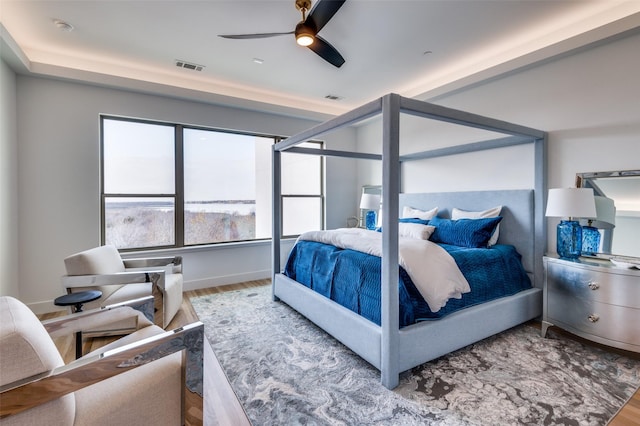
[[77, 300]]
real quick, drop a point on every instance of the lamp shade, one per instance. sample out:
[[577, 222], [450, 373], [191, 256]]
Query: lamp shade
[[370, 202], [571, 202]]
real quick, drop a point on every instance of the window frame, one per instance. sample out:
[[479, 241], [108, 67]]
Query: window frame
[[321, 194], [178, 195]]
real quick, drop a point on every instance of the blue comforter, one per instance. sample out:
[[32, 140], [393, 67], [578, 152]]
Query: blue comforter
[[352, 278]]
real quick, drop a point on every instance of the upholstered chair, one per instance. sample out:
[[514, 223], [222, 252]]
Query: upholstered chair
[[118, 279], [141, 379]]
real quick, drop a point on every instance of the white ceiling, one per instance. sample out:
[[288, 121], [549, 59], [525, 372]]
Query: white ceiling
[[417, 48]]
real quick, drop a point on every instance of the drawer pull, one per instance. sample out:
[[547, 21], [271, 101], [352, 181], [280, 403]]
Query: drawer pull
[[593, 318], [593, 286]]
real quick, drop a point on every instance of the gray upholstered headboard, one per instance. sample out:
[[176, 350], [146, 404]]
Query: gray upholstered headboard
[[516, 227]]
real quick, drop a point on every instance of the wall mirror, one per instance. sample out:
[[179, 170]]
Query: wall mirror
[[622, 237]]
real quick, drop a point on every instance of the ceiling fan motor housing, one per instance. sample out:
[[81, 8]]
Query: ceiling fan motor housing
[[305, 31]]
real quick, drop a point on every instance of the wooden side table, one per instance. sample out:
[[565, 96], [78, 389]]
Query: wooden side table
[[77, 300]]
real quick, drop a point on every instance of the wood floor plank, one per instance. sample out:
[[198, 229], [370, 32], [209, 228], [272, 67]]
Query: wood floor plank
[[629, 414], [223, 406]]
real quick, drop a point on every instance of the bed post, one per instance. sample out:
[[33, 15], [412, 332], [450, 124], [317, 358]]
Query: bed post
[[389, 351], [540, 203], [276, 220]]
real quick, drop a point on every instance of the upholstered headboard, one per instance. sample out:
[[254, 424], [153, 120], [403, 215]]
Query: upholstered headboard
[[516, 228]]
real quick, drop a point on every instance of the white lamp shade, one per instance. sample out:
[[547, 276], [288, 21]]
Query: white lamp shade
[[571, 202], [605, 213], [370, 202]]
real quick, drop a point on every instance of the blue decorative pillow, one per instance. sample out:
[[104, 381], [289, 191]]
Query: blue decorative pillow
[[474, 233], [413, 220]]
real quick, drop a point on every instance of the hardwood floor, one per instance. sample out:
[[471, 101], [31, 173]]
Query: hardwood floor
[[221, 406], [629, 414]]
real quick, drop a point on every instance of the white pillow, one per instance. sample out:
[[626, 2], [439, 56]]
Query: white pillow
[[415, 230], [493, 212], [410, 212]]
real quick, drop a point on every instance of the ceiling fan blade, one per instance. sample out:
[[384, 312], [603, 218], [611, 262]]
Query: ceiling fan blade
[[249, 36], [322, 12], [326, 51]]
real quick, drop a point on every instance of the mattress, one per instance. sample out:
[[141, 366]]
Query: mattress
[[352, 279]]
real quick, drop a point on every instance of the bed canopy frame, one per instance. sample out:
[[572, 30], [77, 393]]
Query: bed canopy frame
[[363, 338]]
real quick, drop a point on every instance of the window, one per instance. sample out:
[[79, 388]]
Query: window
[[302, 200], [169, 185], [139, 184]]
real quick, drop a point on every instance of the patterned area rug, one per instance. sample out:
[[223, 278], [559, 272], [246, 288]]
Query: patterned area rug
[[285, 370]]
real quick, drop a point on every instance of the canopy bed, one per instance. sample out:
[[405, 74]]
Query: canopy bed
[[390, 344]]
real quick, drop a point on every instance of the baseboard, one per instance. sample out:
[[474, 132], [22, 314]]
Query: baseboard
[[226, 279]]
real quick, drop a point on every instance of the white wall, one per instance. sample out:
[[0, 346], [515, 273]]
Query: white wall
[[57, 128], [8, 183], [452, 173], [589, 103]]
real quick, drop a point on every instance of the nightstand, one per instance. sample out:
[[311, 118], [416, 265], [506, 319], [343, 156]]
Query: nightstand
[[593, 299]]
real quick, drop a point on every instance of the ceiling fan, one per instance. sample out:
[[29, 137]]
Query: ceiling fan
[[306, 31]]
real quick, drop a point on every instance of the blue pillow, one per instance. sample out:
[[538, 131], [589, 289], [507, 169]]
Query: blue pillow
[[474, 233], [413, 220]]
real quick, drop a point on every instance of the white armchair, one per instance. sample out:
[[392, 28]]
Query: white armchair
[[149, 377], [103, 269]]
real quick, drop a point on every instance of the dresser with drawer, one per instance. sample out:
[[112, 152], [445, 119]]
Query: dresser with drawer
[[593, 299]]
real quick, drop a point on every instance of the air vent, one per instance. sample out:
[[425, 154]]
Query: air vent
[[188, 65], [333, 97]]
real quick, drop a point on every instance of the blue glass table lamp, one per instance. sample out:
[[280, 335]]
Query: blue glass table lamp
[[605, 220], [371, 203], [571, 203]]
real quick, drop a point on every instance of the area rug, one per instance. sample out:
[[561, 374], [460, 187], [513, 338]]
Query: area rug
[[285, 370]]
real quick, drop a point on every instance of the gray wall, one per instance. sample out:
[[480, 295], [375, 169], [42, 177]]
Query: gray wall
[[8, 184], [58, 180]]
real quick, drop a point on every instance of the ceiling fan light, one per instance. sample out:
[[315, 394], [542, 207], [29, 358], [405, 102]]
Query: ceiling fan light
[[304, 34], [304, 40]]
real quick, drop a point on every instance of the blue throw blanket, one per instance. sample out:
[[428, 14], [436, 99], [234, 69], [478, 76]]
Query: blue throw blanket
[[352, 278]]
